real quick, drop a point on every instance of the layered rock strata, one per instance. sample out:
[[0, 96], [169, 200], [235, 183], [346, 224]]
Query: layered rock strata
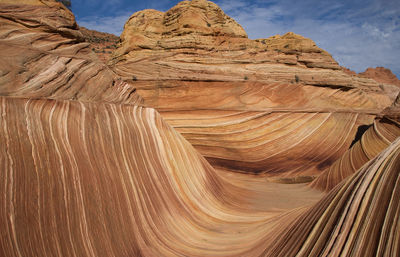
[[95, 175], [246, 105], [357, 218], [43, 55], [373, 140]]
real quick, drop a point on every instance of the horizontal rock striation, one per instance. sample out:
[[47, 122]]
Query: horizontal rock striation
[[270, 100], [87, 170]]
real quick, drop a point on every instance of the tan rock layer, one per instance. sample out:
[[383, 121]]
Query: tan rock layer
[[378, 137], [44, 56], [84, 179], [276, 143], [357, 218]]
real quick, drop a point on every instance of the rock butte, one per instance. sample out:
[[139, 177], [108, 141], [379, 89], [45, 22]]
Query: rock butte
[[89, 167], [280, 106]]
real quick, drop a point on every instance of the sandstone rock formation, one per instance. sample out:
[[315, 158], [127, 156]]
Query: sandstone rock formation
[[381, 75], [87, 170], [376, 138], [357, 218], [385, 78], [265, 106], [44, 56], [103, 44]]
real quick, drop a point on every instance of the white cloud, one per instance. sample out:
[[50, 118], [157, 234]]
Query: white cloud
[[111, 24], [357, 34]]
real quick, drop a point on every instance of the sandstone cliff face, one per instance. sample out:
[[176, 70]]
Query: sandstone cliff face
[[103, 44], [85, 170], [246, 105], [381, 75], [44, 56]]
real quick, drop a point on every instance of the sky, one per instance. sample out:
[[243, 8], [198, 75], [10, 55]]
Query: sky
[[358, 33]]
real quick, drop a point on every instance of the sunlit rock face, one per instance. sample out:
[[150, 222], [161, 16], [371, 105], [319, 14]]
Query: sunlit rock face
[[337, 225], [373, 140], [43, 55], [382, 75], [87, 170], [279, 106]]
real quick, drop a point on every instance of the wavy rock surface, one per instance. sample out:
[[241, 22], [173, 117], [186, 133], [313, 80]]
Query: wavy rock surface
[[377, 137], [43, 55], [149, 192], [357, 218], [266, 105], [96, 174]]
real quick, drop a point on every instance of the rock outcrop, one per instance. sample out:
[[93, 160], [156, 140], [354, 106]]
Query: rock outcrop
[[103, 44], [357, 218], [87, 170], [43, 55], [382, 75], [263, 106]]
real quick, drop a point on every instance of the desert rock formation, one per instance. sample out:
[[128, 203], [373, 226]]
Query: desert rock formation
[[44, 56], [88, 168], [103, 44], [263, 106], [375, 138], [382, 75]]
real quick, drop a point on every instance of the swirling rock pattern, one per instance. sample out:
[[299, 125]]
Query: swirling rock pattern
[[357, 218], [277, 143], [378, 137], [264, 106], [87, 170], [43, 55], [112, 180]]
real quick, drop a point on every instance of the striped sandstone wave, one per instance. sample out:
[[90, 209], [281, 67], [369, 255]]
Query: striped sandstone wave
[[280, 106], [82, 179], [378, 137], [359, 217], [279, 143], [116, 180], [87, 170]]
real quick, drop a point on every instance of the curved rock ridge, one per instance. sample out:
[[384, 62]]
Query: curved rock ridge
[[378, 137], [96, 174], [184, 70], [369, 142], [93, 179], [278, 143], [357, 218], [44, 56]]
